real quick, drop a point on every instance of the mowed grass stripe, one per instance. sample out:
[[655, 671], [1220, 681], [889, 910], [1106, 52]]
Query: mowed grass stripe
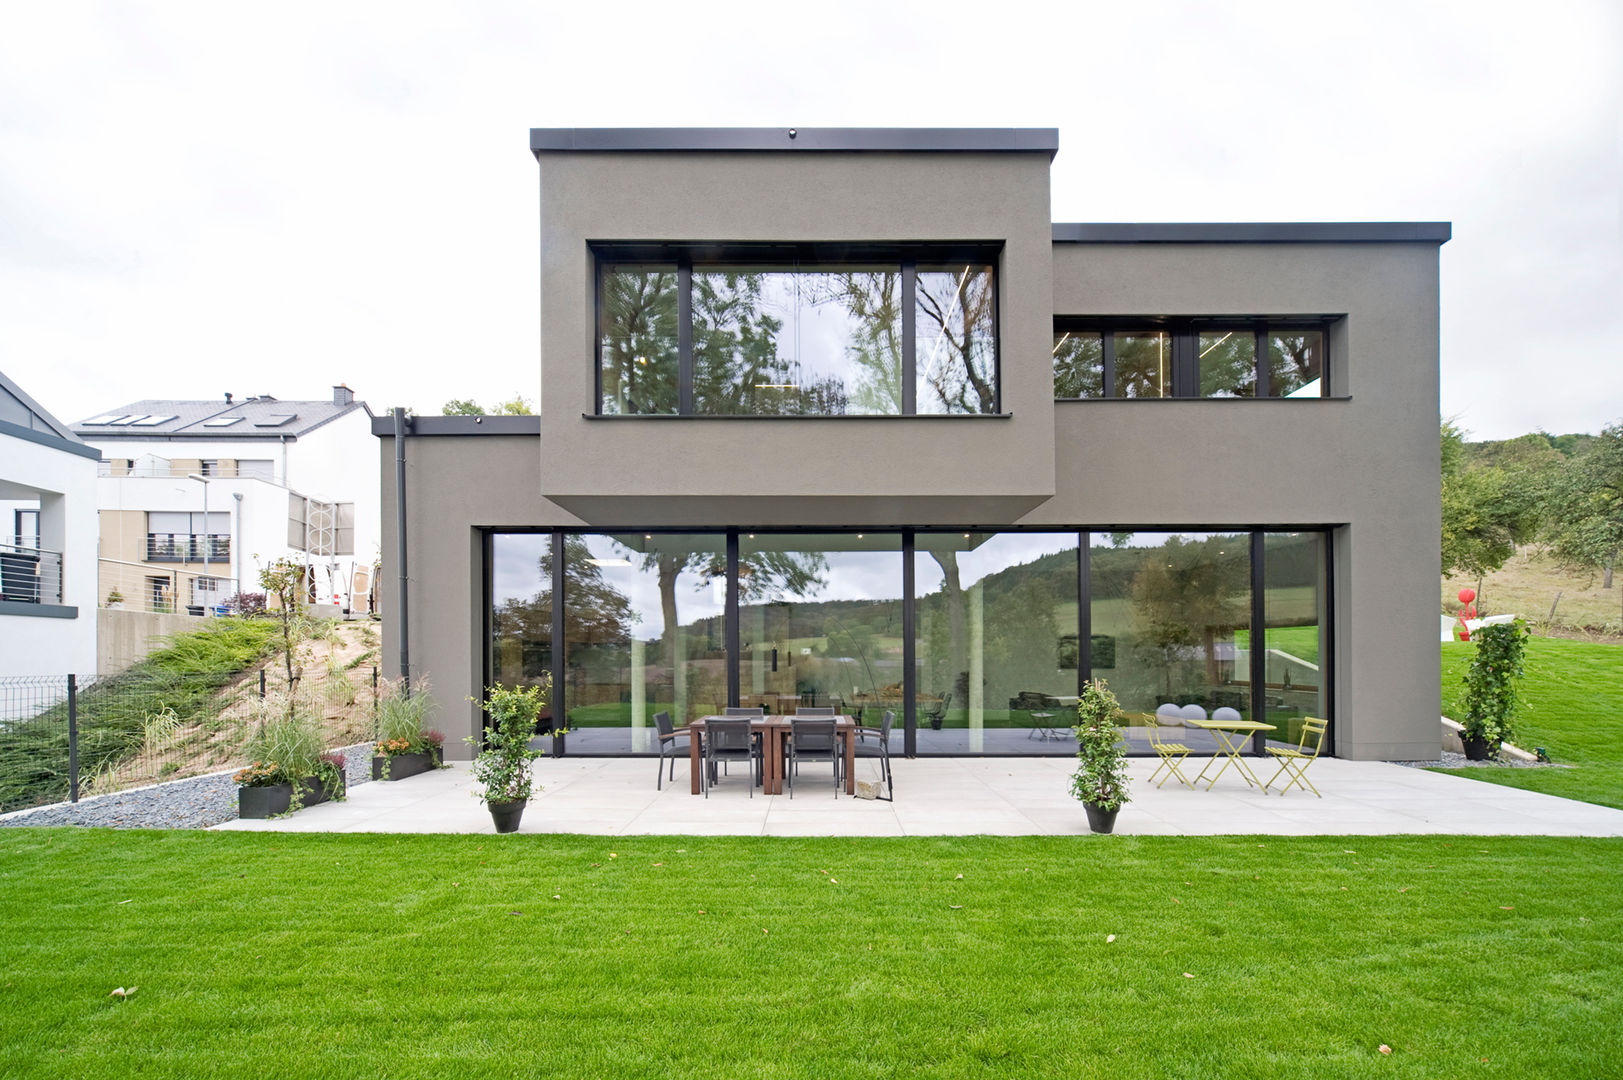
[[329, 955]]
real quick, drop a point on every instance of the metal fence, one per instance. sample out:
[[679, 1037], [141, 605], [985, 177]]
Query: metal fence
[[65, 737]]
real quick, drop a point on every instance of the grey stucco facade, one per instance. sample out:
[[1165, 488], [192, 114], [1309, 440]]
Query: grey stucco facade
[[1360, 463]]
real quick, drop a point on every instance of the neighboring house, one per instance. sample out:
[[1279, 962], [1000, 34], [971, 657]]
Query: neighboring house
[[840, 417], [197, 496], [47, 542]]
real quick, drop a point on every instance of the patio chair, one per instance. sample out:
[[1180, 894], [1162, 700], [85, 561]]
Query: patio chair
[[1172, 754], [666, 737], [1295, 760], [818, 711], [934, 716], [729, 740], [880, 749], [815, 740]]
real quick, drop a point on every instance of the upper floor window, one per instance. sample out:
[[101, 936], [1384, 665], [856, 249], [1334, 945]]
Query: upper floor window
[[796, 330], [1189, 358]]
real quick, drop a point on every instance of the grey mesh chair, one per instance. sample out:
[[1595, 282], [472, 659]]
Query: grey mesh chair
[[816, 711], [729, 740], [880, 749], [815, 740], [667, 738]]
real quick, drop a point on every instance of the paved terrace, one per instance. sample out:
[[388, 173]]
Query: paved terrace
[[959, 796]]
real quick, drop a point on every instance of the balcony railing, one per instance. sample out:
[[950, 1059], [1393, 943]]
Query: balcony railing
[[180, 470], [29, 575], [184, 548]]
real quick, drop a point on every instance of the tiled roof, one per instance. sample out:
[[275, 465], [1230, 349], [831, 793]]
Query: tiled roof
[[251, 418]]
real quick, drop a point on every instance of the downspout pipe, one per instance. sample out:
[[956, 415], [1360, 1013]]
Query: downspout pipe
[[402, 600]]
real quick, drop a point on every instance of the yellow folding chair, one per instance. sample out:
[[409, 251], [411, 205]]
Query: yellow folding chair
[[1170, 753], [1295, 760]]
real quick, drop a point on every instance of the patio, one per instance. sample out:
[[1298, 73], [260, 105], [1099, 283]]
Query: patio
[[959, 796]]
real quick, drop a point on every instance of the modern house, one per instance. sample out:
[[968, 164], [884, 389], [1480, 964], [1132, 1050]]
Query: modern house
[[841, 417], [47, 541], [196, 496]]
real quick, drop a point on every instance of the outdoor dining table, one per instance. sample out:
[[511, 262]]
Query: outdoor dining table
[[1231, 736], [774, 732]]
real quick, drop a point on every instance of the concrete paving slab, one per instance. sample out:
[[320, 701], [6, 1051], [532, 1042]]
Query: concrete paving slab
[[960, 796]]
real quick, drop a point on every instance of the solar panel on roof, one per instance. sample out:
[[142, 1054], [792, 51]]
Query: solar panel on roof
[[150, 421], [276, 420], [222, 421], [107, 419], [124, 420]]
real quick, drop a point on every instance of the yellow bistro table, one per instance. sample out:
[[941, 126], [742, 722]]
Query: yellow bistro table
[[1231, 736]]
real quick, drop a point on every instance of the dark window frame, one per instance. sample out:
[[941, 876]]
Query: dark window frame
[[1185, 331], [684, 257]]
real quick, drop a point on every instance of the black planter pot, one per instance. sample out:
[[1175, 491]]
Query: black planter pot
[[404, 765], [1101, 820], [265, 802], [506, 815], [1476, 747]]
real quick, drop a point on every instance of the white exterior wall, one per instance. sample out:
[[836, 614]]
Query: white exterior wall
[[65, 485], [258, 524]]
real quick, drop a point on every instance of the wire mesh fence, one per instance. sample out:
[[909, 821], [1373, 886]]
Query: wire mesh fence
[[65, 737]]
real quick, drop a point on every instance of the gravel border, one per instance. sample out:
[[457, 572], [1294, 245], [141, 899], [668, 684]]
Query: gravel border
[[197, 802], [1451, 760]]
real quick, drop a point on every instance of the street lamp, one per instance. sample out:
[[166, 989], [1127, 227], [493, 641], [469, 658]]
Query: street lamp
[[204, 481]]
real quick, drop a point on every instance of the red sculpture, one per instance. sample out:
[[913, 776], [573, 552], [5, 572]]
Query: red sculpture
[[1467, 611]]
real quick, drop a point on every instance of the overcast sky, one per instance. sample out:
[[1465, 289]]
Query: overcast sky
[[201, 198]]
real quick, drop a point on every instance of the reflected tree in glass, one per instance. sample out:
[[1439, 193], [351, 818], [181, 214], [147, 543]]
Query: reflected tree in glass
[[1228, 363], [1188, 595], [1079, 364], [1295, 363], [955, 339], [639, 343], [1143, 364]]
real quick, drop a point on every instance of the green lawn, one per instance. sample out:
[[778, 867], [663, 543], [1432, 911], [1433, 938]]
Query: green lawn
[[472, 956], [1572, 706]]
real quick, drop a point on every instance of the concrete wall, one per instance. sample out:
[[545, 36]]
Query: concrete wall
[[126, 637], [454, 488], [769, 471]]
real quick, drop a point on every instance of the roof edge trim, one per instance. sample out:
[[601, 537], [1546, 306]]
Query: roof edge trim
[[926, 140], [383, 425]]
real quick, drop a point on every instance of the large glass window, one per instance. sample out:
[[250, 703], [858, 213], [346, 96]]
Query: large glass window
[[786, 342], [644, 632], [637, 347], [998, 622], [796, 330], [820, 622], [996, 642], [957, 339], [1294, 685], [1188, 358], [1165, 611], [520, 609]]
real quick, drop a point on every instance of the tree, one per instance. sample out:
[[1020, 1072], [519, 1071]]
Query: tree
[[1486, 511], [1187, 595], [1585, 507], [518, 405]]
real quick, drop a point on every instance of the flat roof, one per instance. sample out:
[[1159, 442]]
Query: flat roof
[[1253, 232], [928, 140]]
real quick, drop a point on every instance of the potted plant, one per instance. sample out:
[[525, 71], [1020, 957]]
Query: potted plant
[[1100, 780], [115, 599], [1490, 688], [406, 746], [290, 770], [503, 764]]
